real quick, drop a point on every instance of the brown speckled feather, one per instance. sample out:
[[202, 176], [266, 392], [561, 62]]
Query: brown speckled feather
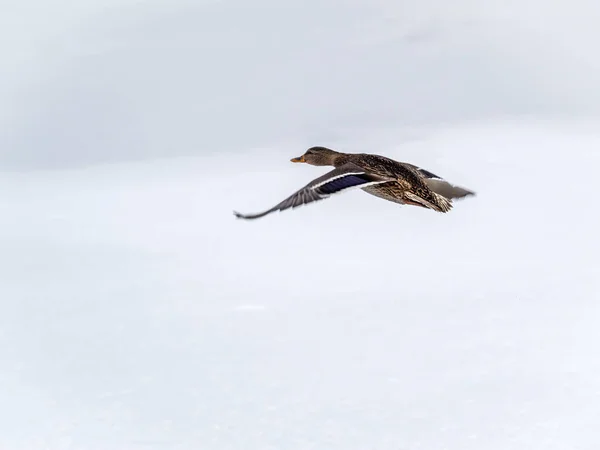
[[410, 187]]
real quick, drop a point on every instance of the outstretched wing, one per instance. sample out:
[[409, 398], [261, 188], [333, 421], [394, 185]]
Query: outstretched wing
[[338, 180], [439, 185]]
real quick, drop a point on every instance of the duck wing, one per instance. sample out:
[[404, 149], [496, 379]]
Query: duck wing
[[440, 186], [339, 180]]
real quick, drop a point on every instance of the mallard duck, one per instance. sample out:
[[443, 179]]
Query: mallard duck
[[377, 175]]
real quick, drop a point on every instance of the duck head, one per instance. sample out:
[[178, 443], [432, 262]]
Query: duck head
[[317, 156]]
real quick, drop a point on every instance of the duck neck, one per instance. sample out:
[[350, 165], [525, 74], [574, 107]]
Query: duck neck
[[339, 159]]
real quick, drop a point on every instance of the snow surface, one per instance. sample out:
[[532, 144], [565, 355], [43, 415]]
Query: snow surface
[[137, 313]]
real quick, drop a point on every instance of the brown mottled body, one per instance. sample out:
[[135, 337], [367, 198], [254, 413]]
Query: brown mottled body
[[391, 192], [409, 187]]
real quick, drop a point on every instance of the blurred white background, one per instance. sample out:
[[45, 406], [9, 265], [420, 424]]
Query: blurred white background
[[137, 313]]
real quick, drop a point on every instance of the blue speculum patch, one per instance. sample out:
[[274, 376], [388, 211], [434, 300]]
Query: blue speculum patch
[[343, 183]]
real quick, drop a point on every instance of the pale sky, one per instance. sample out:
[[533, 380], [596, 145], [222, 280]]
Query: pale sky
[[109, 80]]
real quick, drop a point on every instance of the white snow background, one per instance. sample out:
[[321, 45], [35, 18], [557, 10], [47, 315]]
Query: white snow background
[[137, 313]]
